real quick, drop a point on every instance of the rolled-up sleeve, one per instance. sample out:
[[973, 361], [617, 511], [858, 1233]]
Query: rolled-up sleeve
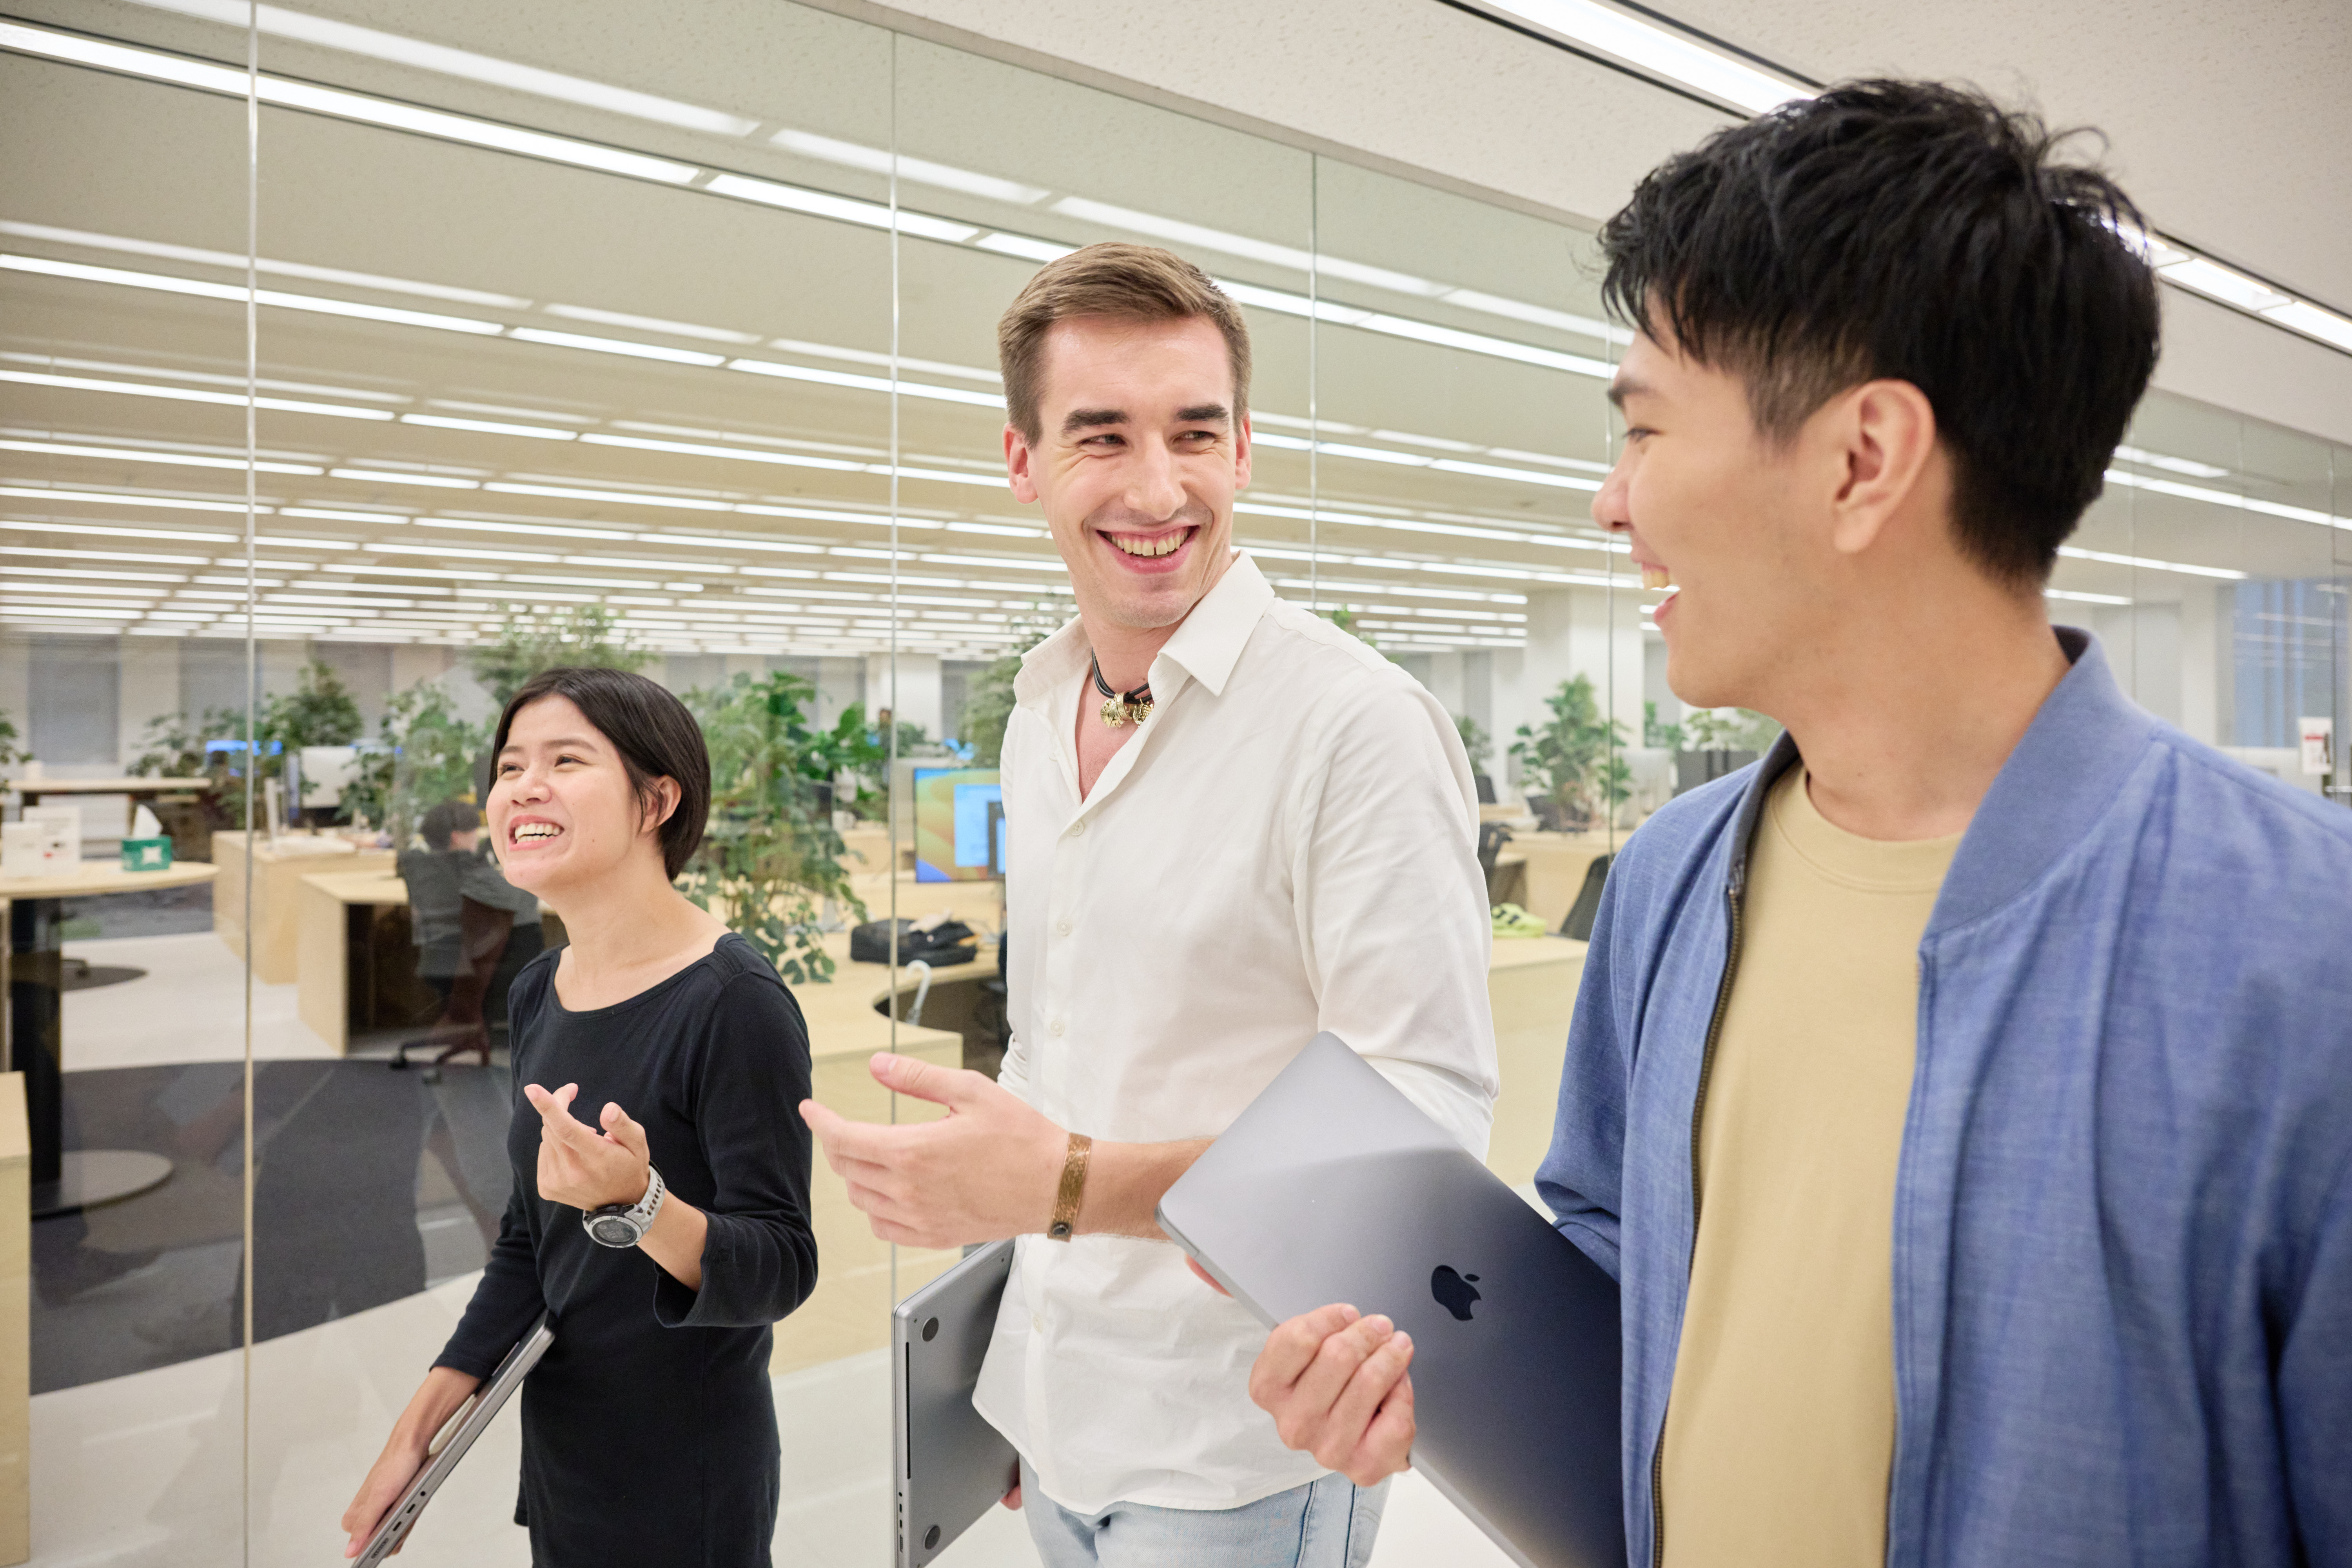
[[759, 1255], [1393, 905]]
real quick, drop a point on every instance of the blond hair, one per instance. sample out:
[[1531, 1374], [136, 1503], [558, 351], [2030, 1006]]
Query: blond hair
[[1128, 282]]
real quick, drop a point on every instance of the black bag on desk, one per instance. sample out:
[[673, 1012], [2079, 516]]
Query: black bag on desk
[[951, 941]]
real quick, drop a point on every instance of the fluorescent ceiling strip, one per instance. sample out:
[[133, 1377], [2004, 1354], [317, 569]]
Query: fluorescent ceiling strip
[[488, 426], [2083, 598], [555, 529], [2075, 553], [922, 170], [191, 395], [846, 209], [617, 346], [234, 383], [786, 546], [143, 455], [282, 93], [104, 498], [317, 303], [1206, 239], [463, 553], [1021, 244], [392, 477], [2170, 464], [866, 382], [278, 22], [1655, 49], [649, 324], [235, 263], [2224, 498], [708, 450], [624, 498], [867, 356]]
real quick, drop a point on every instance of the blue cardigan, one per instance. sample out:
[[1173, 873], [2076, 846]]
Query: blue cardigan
[[2123, 1214]]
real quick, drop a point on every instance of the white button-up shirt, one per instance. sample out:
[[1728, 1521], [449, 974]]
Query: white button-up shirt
[[1288, 845]]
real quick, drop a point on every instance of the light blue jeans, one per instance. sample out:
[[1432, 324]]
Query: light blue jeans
[[1326, 1523]]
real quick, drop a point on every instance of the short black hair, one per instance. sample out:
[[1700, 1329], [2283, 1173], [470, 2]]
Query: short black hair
[[653, 731], [447, 820], [1918, 232]]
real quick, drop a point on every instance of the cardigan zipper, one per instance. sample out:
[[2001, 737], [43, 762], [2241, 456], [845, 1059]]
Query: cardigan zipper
[[1733, 890]]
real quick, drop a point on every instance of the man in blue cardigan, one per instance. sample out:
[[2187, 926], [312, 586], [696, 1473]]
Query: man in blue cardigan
[[1962, 1096]]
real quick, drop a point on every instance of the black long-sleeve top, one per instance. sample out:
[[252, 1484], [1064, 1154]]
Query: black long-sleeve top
[[649, 1430]]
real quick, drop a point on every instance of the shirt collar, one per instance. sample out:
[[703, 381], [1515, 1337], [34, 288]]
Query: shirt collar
[[1207, 645]]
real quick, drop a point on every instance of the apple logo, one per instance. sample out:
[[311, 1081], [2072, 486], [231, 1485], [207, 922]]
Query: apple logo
[[1454, 1292]]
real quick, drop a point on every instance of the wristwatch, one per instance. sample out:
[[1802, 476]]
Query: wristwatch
[[625, 1225]]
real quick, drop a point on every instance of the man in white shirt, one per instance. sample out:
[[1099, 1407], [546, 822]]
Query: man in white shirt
[[1230, 826]]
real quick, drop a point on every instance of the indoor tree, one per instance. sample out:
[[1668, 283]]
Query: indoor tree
[[770, 853], [1575, 757]]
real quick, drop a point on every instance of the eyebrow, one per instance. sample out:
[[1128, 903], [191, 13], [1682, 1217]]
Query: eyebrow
[[1205, 413], [1626, 387], [578, 742], [1092, 418]]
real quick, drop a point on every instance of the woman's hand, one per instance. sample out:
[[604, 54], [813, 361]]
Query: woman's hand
[[582, 1166], [444, 1390]]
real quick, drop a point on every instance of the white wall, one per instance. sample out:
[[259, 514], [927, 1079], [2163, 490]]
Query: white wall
[[912, 695]]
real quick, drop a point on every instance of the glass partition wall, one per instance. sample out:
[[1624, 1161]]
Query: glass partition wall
[[584, 335]]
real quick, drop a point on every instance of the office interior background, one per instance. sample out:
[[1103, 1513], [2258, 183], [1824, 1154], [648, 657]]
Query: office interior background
[[667, 331]]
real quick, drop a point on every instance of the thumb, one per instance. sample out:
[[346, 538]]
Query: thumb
[[950, 1087], [621, 1129]]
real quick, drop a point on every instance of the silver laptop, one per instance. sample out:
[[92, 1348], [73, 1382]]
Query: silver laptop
[[1332, 1186], [950, 1465], [457, 1434]]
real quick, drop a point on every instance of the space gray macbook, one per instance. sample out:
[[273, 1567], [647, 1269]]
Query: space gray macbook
[[1332, 1186], [951, 1465]]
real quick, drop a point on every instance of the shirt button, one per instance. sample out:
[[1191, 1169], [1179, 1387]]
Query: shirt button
[[1062, 927], [1037, 1321], [1078, 828], [1056, 1026]]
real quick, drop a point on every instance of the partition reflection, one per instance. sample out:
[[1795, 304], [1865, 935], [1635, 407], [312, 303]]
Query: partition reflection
[[123, 448], [638, 385]]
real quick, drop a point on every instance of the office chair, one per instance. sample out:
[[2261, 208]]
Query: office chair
[[483, 934], [1581, 914]]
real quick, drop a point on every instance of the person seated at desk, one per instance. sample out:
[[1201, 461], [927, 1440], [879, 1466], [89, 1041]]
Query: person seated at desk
[[451, 868]]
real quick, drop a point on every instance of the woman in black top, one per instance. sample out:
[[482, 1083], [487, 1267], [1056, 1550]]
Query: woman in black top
[[649, 1431]]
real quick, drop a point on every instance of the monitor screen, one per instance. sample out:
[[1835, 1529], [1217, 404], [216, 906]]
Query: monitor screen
[[958, 824]]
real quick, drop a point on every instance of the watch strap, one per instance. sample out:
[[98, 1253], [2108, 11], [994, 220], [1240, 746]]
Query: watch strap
[[638, 1216], [1064, 1223]]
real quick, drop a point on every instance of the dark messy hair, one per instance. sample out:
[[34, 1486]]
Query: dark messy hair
[[655, 736], [446, 820], [1918, 232]]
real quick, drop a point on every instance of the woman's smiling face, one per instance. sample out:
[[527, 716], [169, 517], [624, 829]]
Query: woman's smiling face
[[562, 812]]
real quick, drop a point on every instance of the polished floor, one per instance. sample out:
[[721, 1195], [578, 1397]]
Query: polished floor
[[376, 1188]]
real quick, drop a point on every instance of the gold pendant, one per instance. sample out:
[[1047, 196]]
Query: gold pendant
[[1139, 711], [1114, 711]]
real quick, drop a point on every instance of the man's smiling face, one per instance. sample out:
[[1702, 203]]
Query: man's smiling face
[[1139, 455]]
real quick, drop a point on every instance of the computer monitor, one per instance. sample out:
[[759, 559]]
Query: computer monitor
[[958, 824]]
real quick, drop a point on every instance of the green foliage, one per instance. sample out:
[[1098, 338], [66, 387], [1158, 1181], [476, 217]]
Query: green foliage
[[425, 755], [1475, 740], [988, 703], [8, 751], [527, 644], [1658, 736], [319, 711], [769, 852], [1575, 757], [1728, 729]]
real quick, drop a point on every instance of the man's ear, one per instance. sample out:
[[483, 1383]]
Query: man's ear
[[1019, 469], [1244, 441], [1883, 433]]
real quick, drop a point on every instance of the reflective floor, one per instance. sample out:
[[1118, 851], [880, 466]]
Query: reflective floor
[[385, 1188]]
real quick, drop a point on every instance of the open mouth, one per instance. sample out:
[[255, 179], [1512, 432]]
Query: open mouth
[[1149, 546], [1656, 578], [524, 834]]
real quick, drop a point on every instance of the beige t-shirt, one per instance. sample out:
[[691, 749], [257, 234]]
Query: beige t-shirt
[[1781, 1426]]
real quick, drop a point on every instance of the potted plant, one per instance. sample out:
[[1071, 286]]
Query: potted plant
[[1572, 760], [771, 855], [1717, 741]]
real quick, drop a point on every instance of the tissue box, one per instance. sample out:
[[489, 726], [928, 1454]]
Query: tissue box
[[146, 854]]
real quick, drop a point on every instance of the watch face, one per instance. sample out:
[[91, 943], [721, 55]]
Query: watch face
[[613, 1230]]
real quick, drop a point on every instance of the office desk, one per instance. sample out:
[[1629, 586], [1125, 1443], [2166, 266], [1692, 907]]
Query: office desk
[[34, 791], [62, 1182], [334, 914], [266, 916], [1543, 872]]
